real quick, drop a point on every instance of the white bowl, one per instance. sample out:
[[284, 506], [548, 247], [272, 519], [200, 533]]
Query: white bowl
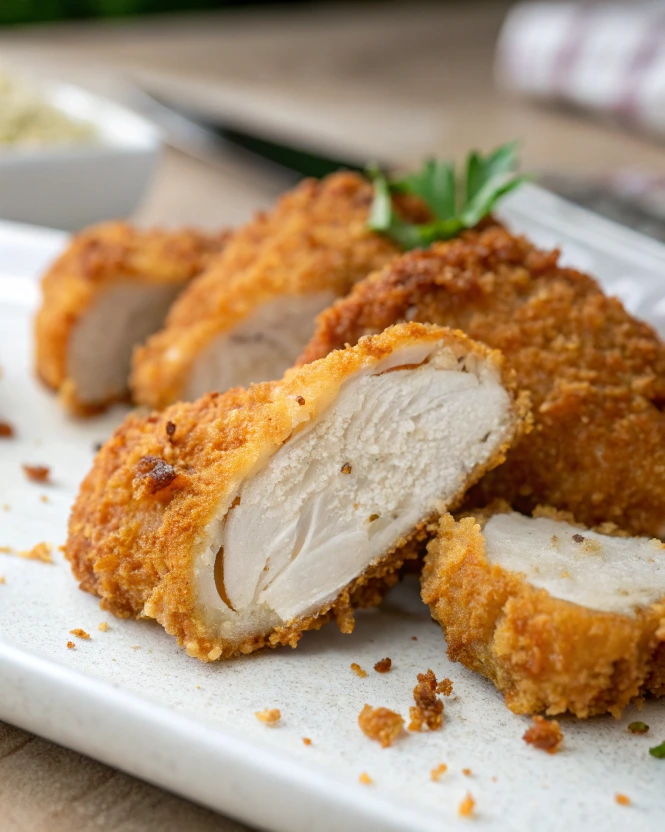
[[70, 186]]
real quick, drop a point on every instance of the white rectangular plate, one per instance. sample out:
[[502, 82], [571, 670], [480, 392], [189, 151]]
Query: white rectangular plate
[[131, 698]]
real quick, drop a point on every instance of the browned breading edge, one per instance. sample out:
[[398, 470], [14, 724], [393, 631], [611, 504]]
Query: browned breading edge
[[542, 653], [134, 549]]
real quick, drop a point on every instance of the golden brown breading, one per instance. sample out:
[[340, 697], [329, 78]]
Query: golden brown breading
[[96, 259], [314, 241], [543, 653], [142, 509], [596, 375]]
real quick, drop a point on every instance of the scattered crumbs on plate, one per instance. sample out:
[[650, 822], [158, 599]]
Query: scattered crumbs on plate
[[383, 665], [467, 772], [102, 626], [306, 741], [622, 799], [427, 713], [3, 580], [6, 430], [445, 687], [467, 806], [77, 631], [198, 687], [544, 734], [380, 724], [365, 779], [70, 645], [638, 727], [271, 716], [136, 646], [44, 498], [437, 772], [40, 551], [414, 638], [357, 669], [37, 473]]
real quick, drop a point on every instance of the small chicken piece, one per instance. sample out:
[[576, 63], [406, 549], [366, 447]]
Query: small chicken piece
[[595, 373], [559, 617], [105, 294], [240, 529], [249, 317]]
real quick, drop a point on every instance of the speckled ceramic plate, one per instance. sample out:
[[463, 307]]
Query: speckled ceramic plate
[[131, 698]]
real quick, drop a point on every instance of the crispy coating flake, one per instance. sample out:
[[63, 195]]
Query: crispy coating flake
[[544, 734], [542, 653], [357, 669], [383, 665], [314, 240], [37, 473], [77, 631], [437, 772], [467, 806], [97, 258], [427, 714], [134, 548], [270, 716], [380, 724], [596, 374]]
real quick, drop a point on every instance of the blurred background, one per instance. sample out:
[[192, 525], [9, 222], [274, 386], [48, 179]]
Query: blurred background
[[311, 85]]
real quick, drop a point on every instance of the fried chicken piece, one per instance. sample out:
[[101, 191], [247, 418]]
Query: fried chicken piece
[[596, 375], [559, 617], [242, 530], [105, 294], [249, 317]]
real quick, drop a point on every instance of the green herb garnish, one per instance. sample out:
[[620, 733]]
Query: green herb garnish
[[638, 727], [455, 203], [658, 751]]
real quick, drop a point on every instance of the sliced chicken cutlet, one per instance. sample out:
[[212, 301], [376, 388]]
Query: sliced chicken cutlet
[[559, 617], [105, 294], [241, 520], [249, 317], [595, 373]]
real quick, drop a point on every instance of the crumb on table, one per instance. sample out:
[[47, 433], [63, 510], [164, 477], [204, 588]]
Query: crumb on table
[[306, 741], [466, 772], [70, 645], [271, 716], [544, 734], [365, 779], [77, 631], [6, 550], [622, 800], [37, 473], [445, 687], [43, 498], [467, 806], [6, 430], [102, 626], [3, 580], [380, 724], [357, 669], [40, 551], [438, 771], [383, 665], [427, 714]]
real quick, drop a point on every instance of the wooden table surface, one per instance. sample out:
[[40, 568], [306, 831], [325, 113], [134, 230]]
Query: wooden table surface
[[395, 81]]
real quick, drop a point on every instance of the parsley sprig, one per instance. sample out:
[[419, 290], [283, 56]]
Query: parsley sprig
[[455, 204]]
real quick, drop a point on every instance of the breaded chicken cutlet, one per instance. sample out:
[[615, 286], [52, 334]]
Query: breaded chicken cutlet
[[249, 317], [241, 520], [595, 373], [559, 617], [105, 294]]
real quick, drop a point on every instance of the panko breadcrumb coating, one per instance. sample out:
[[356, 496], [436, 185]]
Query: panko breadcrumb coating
[[248, 318], [106, 293], [596, 374], [544, 734], [560, 618], [380, 724], [240, 530]]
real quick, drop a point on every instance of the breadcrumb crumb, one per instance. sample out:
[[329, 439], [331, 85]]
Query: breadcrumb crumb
[[427, 714], [6, 430], [3, 580], [466, 772], [365, 779], [70, 645], [445, 687], [102, 627], [544, 734], [6, 550], [357, 669], [37, 473], [40, 551], [271, 716], [622, 800], [437, 772], [383, 666], [467, 806], [77, 631], [380, 724], [306, 741], [43, 498]]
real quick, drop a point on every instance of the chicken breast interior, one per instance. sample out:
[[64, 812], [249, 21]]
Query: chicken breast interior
[[259, 348], [599, 571], [399, 441]]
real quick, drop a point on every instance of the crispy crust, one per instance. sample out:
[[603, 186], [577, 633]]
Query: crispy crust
[[596, 375], [133, 547], [95, 259], [316, 239], [542, 653]]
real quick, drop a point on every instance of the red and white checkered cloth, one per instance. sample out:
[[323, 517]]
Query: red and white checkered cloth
[[608, 58]]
